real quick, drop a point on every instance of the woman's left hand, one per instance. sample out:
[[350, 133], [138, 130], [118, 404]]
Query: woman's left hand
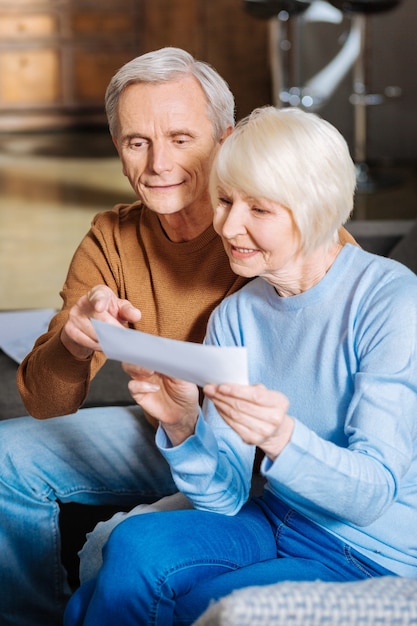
[[170, 401], [257, 414]]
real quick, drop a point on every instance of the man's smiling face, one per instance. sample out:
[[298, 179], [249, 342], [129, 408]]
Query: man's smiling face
[[166, 144]]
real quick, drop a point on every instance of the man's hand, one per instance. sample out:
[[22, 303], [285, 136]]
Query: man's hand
[[78, 335], [170, 401]]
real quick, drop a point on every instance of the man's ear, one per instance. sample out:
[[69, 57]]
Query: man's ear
[[226, 133], [116, 145]]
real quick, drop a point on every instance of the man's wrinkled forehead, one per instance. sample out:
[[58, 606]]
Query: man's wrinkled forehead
[[177, 105]]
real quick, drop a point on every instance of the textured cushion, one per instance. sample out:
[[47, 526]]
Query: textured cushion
[[386, 601]]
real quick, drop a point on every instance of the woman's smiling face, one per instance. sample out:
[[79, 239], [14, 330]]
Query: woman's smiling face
[[260, 236]]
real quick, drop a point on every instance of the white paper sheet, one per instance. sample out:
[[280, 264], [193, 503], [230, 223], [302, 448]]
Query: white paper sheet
[[180, 359]]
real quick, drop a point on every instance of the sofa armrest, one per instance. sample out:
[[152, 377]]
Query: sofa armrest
[[108, 388], [405, 250], [379, 236], [11, 404]]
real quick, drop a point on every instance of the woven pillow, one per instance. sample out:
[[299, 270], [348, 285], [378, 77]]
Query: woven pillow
[[385, 601]]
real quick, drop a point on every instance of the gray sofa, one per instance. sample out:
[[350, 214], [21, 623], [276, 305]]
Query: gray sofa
[[397, 239]]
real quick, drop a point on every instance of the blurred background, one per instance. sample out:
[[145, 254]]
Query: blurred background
[[58, 166]]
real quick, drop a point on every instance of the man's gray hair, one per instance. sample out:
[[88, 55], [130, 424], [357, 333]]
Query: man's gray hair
[[167, 64]]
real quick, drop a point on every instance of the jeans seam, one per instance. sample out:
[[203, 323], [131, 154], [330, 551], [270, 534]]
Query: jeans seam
[[49, 494], [355, 562], [162, 579], [285, 523]]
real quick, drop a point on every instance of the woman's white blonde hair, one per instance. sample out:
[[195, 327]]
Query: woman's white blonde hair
[[296, 159]]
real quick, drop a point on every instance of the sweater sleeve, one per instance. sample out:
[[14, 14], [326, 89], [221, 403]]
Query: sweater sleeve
[[213, 467]]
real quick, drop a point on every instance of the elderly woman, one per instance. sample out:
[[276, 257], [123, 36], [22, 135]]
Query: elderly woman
[[331, 337]]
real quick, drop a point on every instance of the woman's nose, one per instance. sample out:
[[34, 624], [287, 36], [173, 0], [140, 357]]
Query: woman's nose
[[233, 223]]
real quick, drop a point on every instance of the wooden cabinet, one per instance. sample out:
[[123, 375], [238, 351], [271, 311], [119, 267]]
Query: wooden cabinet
[[57, 57], [220, 32]]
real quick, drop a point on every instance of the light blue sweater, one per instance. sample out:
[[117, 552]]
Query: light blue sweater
[[345, 355]]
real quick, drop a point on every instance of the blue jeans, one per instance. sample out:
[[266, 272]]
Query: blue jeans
[[165, 568], [91, 558], [97, 456]]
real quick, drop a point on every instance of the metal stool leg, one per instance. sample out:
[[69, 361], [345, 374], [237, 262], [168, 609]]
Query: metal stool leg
[[361, 99], [283, 58], [359, 96]]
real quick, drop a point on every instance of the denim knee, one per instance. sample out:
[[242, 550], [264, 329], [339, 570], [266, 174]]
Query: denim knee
[[78, 604]]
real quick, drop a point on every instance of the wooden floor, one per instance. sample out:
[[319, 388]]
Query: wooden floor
[[51, 185]]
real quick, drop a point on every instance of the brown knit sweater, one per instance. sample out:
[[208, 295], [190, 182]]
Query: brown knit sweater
[[175, 285]]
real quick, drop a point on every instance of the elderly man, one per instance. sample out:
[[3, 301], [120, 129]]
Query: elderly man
[[156, 265]]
